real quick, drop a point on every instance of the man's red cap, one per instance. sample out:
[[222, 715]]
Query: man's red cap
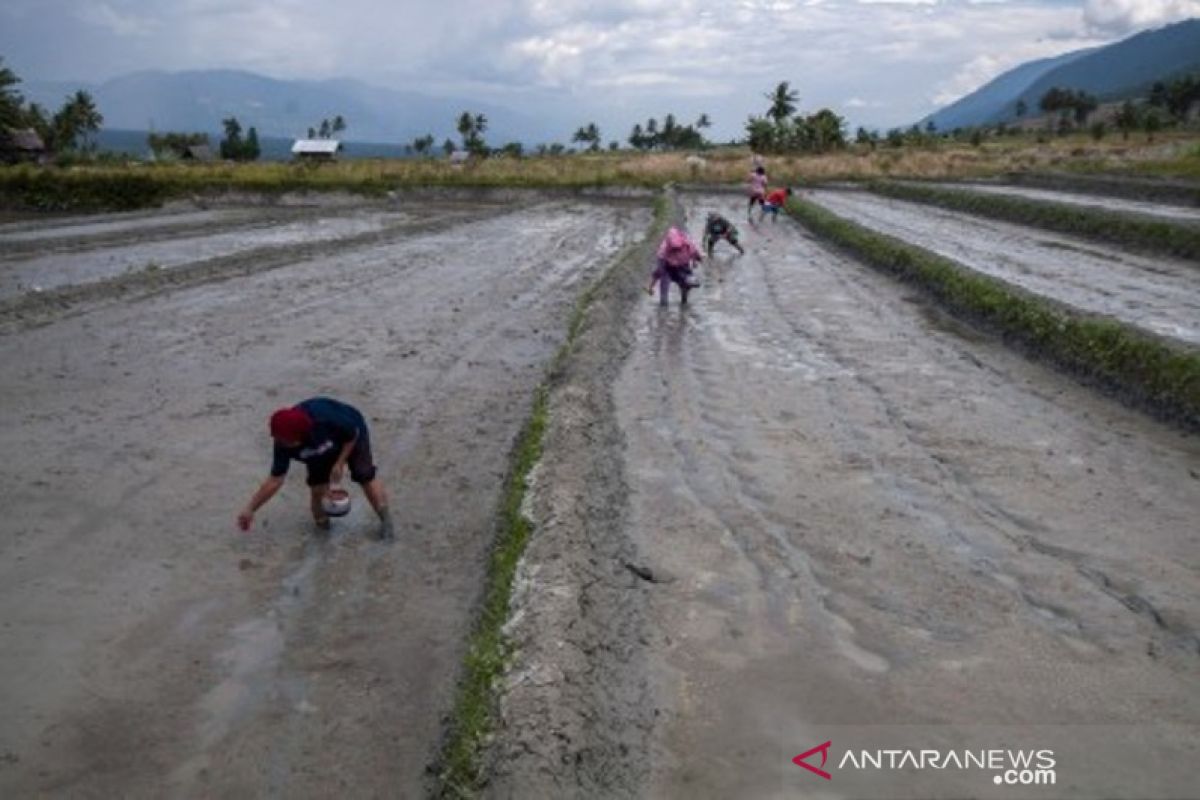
[[290, 424]]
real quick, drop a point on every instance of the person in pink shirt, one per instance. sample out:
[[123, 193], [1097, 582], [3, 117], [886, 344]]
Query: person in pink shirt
[[676, 255], [757, 188]]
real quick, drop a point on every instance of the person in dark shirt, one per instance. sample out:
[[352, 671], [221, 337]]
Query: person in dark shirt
[[327, 436], [717, 228]]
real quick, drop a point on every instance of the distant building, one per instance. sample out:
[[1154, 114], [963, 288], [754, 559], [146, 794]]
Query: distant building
[[316, 149], [21, 145], [460, 157]]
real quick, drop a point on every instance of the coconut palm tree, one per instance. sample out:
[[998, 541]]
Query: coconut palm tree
[[589, 135], [10, 99], [86, 117], [783, 102], [466, 127]]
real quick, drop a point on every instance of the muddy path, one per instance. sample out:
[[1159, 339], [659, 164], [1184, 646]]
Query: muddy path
[[150, 649], [1159, 294], [850, 519], [1173, 213]]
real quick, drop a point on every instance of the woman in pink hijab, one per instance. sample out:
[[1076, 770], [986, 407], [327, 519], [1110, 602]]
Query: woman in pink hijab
[[676, 255]]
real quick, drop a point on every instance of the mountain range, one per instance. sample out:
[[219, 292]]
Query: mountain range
[[1114, 72], [197, 101]]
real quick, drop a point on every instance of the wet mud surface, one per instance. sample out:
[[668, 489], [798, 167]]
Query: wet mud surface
[[856, 514], [840, 515], [1173, 213], [86, 254], [1158, 294], [150, 649]]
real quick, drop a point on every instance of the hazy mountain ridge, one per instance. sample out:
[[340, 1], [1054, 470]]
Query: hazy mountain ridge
[[997, 95], [1112, 72], [199, 100]]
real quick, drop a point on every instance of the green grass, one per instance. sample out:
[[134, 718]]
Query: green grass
[[488, 652], [1141, 233], [1156, 375]]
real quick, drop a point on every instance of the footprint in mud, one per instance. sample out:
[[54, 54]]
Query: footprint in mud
[[844, 637]]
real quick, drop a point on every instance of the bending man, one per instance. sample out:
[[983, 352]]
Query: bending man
[[327, 435]]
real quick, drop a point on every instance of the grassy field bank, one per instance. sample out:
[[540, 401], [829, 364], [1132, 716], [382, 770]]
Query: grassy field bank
[[138, 185], [487, 652]]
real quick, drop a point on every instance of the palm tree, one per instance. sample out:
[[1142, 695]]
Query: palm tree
[[589, 135], [703, 122], [637, 139], [86, 116], [10, 100], [669, 131], [231, 145], [783, 102], [466, 128]]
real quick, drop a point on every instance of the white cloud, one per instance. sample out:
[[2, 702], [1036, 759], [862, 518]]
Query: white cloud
[[1019, 37], [626, 58], [974, 74], [122, 24], [1120, 17]]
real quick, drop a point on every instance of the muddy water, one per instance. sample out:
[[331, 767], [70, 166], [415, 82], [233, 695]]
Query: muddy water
[[1156, 293], [868, 526], [1163, 210], [91, 263], [135, 222], [151, 650]]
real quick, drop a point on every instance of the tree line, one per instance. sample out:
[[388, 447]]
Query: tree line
[[782, 130], [70, 128]]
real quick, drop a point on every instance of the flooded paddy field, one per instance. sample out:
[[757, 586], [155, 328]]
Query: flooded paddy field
[[1165, 211], [79, 253], [1156, 293], [852, 519], [833, 512], [153, 650]]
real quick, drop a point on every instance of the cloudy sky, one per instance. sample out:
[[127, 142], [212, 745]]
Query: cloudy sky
[[879, 62]]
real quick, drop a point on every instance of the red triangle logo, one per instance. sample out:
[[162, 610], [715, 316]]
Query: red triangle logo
[[823, 749]]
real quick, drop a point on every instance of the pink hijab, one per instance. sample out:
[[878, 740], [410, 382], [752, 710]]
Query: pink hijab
[[677, 249]]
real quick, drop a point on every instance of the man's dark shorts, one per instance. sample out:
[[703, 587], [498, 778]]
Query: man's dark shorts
[[361, 464]]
